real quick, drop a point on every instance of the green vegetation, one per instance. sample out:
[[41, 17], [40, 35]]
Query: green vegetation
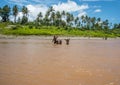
[[55, 23]]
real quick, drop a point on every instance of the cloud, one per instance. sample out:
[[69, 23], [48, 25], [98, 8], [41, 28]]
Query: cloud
[[95, 6], [89, 0], [0, 18], [45, 1], [35, 9], [71, 6], [27, 2], [97, 10], [18, 2], [82, 14], [95, 0]]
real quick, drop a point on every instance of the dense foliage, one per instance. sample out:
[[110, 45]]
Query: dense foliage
[[55, 22]]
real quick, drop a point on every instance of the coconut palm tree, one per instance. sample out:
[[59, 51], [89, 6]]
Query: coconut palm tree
[[83, 21], [25, 11], [51, 9], [52, 18], [15, 12], [105, 24], [68, 18], [99, 22], [63, 14], [76, 20], [5, 13], [39, 18], [93, 21], [58, 18]]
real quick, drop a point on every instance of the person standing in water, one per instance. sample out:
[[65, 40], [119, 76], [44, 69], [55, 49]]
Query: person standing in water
[[67, 41]]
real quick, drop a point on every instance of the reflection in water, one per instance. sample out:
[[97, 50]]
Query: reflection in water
[[39, 62]]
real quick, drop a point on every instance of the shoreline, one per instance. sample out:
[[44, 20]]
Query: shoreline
[[45, 37]]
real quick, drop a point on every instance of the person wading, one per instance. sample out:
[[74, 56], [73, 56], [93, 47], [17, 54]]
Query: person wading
[[67, 41], [56, 40]]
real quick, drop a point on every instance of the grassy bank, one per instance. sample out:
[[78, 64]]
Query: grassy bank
[[51, 30]]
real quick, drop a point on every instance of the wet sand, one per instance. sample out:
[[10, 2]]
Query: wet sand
[[39, 62]]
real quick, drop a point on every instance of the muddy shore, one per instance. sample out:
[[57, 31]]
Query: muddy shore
[[47, 37]]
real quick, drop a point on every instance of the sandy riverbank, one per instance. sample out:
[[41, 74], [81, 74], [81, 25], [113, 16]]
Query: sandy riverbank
[[47, 37]]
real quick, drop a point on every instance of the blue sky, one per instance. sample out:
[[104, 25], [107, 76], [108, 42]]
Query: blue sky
[[105, 9]]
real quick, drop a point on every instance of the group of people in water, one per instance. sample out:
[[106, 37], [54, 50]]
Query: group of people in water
[[55, 40], [59, 41]]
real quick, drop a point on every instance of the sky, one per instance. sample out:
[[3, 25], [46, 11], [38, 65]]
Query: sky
[[105, 9]]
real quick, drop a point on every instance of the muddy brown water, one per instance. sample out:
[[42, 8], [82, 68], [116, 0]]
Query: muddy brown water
[[39, 62]]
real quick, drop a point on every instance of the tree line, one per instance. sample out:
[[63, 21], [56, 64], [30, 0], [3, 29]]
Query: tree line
[[56, 18]]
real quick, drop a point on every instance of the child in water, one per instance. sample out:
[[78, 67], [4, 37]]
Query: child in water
[[67, 41]]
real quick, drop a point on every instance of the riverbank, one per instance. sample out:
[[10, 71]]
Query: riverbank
[[48, 37]]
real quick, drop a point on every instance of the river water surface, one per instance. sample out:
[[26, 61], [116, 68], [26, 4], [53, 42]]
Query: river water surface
[[39, 62]]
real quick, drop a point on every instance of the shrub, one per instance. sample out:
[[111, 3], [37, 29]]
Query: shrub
[[30, 26]]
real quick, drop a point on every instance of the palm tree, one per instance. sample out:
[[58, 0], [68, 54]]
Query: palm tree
[[79, 24], [39, 18], [88, 22], [51, 9], [58, 18], [15, 12], [99, 24], [71, 19], [63, 14], [19, 20], [63, 23], [105, 24], [49, 16], [25, 11], [98, 19], [93, 20], [83, 21], [58, 15], [5, 13], [52, 18], [68, 18], [0, 11], [46, 18], [76, 20]]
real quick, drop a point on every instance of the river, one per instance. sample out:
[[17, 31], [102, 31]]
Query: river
[[40, 62]]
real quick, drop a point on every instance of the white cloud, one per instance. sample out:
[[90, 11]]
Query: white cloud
[[70, 6], [33, 12], [95, 6], [89, 0], [19, 15], [0, 18], [82, 14], [18, 2], [35, 9], [95, 0], [97, 10], [26, 2], [45, 1]]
